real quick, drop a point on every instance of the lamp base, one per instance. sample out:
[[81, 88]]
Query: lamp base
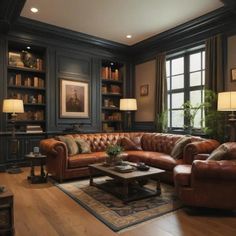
[[14, 170]]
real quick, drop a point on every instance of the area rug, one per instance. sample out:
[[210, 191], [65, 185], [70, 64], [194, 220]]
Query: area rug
[[113, 212]]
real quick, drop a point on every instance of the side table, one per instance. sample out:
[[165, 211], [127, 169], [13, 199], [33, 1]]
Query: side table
[[34, 159], [6, 213]]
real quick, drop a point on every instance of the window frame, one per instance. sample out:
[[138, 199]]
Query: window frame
[[186, 85]]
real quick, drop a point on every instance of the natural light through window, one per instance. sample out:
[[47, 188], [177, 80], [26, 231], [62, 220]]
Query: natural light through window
[[185, 82]]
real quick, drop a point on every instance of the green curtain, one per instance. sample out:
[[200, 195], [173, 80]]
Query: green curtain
[[214, 79], [161, 93]]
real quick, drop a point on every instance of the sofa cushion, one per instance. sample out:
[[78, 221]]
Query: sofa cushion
[[84, 146], [177, 151], [219, 153], [70, 143], [128, 144], [83, 160], [156, 159], [182, 175]]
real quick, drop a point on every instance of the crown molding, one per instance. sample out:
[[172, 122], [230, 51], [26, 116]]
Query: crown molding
[[50, 31], [193, 31], [9, 11]]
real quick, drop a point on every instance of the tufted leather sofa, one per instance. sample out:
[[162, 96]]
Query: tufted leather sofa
[[207, 183], [156, 149]]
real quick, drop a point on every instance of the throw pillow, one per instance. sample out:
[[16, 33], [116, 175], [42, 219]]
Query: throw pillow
[[70, 143], [177, 151], [84, 147], [219, 153], [129, 144]]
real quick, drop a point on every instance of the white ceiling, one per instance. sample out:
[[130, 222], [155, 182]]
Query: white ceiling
[[114, 19]]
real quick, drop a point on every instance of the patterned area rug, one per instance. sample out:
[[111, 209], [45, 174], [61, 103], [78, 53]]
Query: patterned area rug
[[113, 212]]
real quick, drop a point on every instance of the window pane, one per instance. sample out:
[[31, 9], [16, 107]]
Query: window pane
[[195, 78], [203, 60], [177, 100], [167, 68], [195, 98], [197, 120], [178, 66], [203, 77], [177, 82], [195, 62], [178, 118], [168, 83], [168, 101], [168, 118]]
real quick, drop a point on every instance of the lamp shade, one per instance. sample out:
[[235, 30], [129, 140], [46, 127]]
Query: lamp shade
[[128, 104], [227, 101], [13, 106]]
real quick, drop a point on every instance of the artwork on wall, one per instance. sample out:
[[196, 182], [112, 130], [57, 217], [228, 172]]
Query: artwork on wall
[[144, 90], [74, 99], [233, 74]]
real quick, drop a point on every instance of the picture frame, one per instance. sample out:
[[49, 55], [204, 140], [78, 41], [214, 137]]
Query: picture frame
[[74, 99], [233, 75], [144, 90]]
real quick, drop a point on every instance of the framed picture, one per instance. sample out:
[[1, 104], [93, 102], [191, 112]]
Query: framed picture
[[15, 59], [144, 90], [233, 74], [74, 99]]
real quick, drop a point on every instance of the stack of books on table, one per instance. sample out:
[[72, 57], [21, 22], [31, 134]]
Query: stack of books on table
[[34, 129], [124, 168]]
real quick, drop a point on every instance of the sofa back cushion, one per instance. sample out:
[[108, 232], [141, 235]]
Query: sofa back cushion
[[100, 141], [71, 145], [159, 142], [131, 144]]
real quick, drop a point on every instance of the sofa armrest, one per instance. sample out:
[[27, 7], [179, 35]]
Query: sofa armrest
[[192, 149], [218, 170], [50, 146], [57, 157]]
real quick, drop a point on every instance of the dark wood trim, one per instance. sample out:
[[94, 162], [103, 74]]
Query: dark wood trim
[[55, 32], [10, 11], [186, 35]]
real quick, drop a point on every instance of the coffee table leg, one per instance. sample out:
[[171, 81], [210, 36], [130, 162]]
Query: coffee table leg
[[125, 189], [158, 186], [90, 176]]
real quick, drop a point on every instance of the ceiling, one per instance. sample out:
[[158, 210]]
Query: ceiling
[[114, 19]]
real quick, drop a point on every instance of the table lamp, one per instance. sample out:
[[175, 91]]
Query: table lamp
[[227, 102], [128, 105], [13, 106]]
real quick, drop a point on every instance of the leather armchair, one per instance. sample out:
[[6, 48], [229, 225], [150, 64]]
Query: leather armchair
[[207, 183]]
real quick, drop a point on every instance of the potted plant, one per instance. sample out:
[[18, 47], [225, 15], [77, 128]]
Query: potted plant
[[113, 152]]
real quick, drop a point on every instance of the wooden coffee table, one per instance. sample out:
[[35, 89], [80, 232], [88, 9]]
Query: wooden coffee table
[[126, 186]]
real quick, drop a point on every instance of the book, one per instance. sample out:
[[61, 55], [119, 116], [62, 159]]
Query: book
[[36, 82], [40, 83], [18, 80], [34, 129], [124, 168]]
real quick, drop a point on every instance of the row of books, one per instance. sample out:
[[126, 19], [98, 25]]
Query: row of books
[[34, 129], [27, 98], [111, 89], [31, 115], [109, 73], [18, 80], [115, 116]]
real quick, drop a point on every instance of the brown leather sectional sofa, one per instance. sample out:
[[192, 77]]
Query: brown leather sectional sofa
[[207, 183], [156, 149]]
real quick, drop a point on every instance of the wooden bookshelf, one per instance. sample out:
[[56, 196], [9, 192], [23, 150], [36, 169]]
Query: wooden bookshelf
[[112, 77]]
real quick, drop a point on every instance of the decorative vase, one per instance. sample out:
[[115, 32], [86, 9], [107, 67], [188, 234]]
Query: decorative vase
[[113, 160]]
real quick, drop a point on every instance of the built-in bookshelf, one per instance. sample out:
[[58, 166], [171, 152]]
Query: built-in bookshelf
[[26, 80], [112, 76]]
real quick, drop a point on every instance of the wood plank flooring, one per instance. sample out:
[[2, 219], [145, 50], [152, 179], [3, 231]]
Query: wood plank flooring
[[43, 209]]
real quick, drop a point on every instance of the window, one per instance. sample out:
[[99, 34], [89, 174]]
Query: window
[[185, 82]]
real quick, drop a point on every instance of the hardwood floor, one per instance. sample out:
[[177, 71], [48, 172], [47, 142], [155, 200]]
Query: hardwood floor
[[42, 209]]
